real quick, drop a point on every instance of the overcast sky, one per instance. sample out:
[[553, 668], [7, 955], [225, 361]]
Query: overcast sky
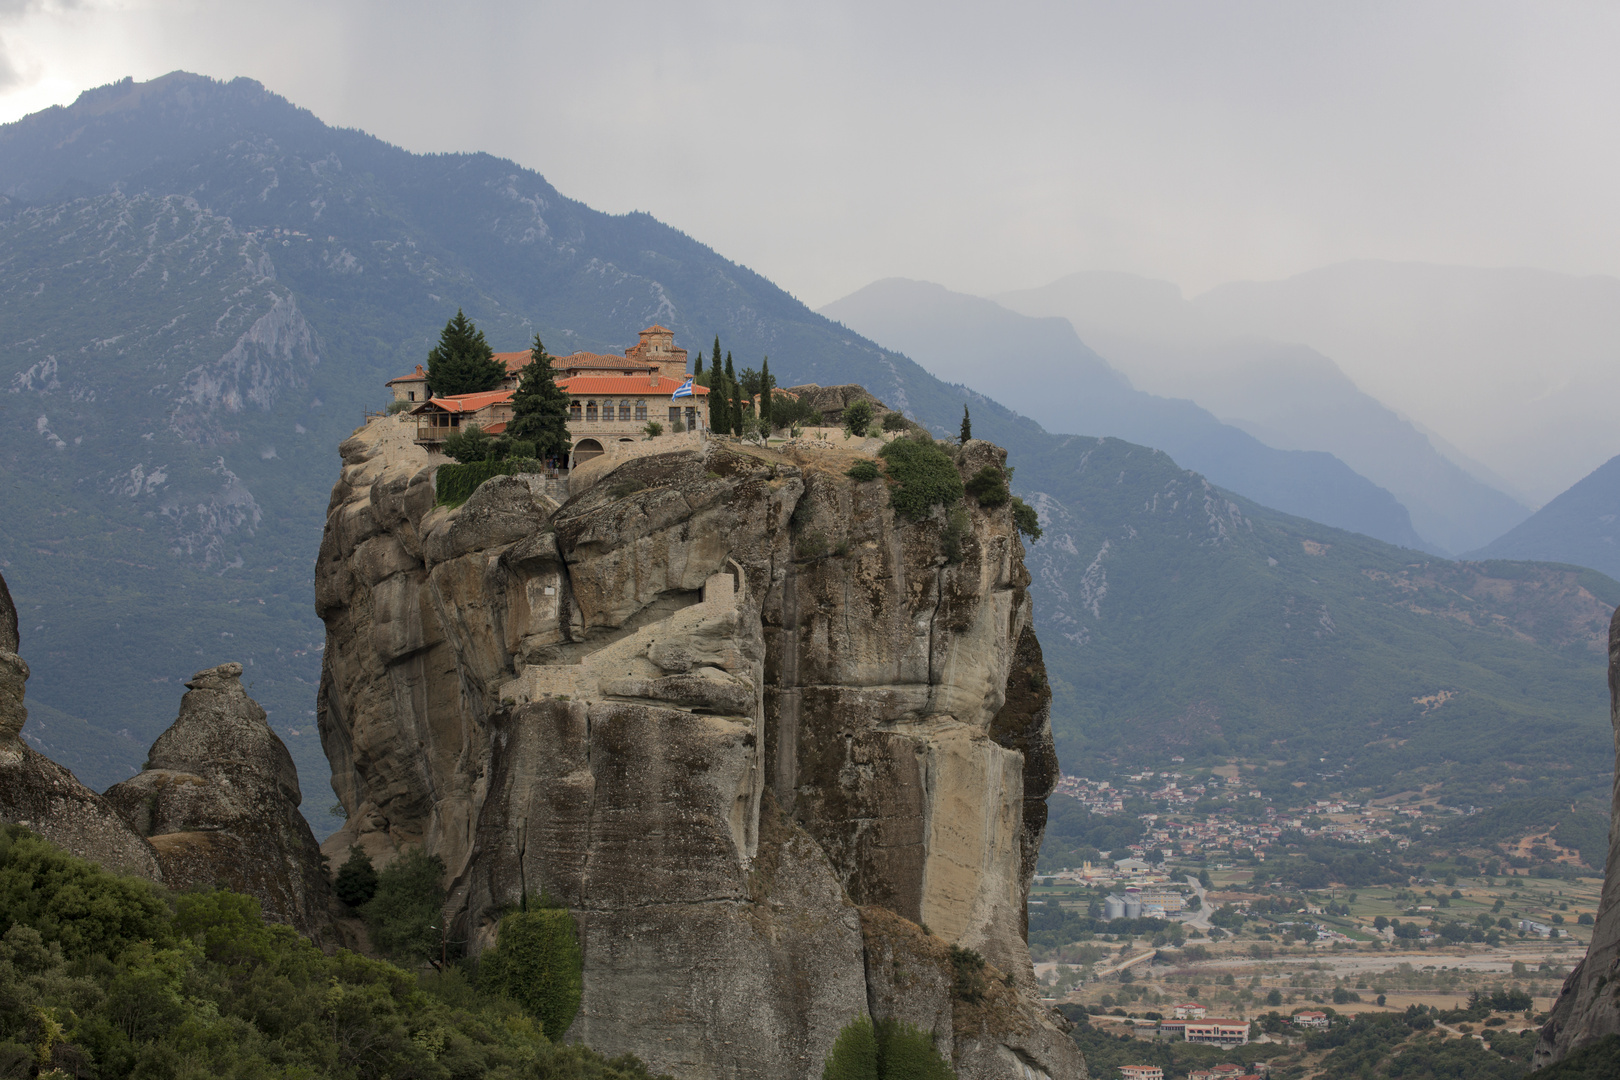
[[988, 147]]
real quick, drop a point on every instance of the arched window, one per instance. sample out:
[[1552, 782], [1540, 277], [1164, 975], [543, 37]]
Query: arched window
[[641, 408], [624, 409], [590, 412], [575, 411]]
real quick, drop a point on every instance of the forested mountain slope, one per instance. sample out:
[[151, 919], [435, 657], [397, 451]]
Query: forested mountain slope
[[1581, 526]]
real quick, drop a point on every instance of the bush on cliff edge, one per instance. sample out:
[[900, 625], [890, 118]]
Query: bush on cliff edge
[[924, 476], [888, 1050], [537, 963]]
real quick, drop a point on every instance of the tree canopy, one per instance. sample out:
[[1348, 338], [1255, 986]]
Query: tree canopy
[[462, 362], [540, 407]]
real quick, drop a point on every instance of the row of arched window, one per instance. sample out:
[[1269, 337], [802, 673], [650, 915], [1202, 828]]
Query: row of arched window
[[592, 410]]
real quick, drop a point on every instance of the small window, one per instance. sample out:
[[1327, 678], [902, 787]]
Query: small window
[[590, 412], [641, 408], [574, 411], [410, 395], [624, 409], [674, 414]]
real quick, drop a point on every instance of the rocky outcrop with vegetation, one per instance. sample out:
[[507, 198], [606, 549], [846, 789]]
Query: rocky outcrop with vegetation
[[781, 750], [218, 803], [1588, 1008]]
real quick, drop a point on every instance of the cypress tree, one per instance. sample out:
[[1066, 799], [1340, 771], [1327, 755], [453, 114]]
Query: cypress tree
[[733, 392], [540, 407], [967, 425], [765, 384], [714, 362], [462, 362], [719, 399], [697, 371]]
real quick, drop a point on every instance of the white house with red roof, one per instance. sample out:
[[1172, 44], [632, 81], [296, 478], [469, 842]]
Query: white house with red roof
[[611, 398]]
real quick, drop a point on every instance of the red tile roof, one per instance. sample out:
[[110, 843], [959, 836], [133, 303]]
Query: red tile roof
[[621, 386], [416, 376], [467, 403]]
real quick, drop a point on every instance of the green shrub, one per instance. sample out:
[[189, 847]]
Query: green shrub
[[1026, 519], [653, 429], [888, 1050], [406, 915], [357, 879], [906, 1052], [454, 484], [72, 903], [895, 422], [968, 966], [211, 989], [857, 418], [397, 407], [924, 476], [854, 1054], [469, 445], [989, 486], [537, 963], [863, 470]]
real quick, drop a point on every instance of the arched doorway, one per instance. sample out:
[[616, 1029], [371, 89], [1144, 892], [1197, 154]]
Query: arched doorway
[[584, 450]]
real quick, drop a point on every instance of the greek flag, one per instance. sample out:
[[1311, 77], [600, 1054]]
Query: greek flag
[[684, 390]]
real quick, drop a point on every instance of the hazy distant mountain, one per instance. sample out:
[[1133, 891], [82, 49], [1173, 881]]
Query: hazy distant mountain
[[1289, 396], [1580, 526], [1042, 369], [1518, 368]]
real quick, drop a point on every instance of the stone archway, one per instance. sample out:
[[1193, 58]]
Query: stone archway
[[586, 449]]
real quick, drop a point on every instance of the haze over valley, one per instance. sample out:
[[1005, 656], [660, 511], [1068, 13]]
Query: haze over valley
[[1169, 554]]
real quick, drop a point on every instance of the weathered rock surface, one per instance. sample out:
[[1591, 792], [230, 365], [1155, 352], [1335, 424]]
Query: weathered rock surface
[[37, 792], [1588, 1008], [831, 401], [728, 708], [218, 803]]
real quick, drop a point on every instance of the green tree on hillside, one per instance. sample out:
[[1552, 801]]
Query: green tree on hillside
[[766, 385], [967, 425], [462, 362], [540, 407], [537, 963], [406, 915]]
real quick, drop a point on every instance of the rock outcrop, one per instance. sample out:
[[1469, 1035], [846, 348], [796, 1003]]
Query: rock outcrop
[[751, 727], [1588, 1007], [40, 794], [218, 803]]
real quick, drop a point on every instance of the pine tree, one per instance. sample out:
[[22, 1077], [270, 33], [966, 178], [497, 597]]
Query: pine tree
[[540, 407], [462, 362], [765, 384], [967, 425], [719, 399]]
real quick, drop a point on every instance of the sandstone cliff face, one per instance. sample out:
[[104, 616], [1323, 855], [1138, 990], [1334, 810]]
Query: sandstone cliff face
[[218, 803], [37, 792], [1588, 1008], [748, 725]]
